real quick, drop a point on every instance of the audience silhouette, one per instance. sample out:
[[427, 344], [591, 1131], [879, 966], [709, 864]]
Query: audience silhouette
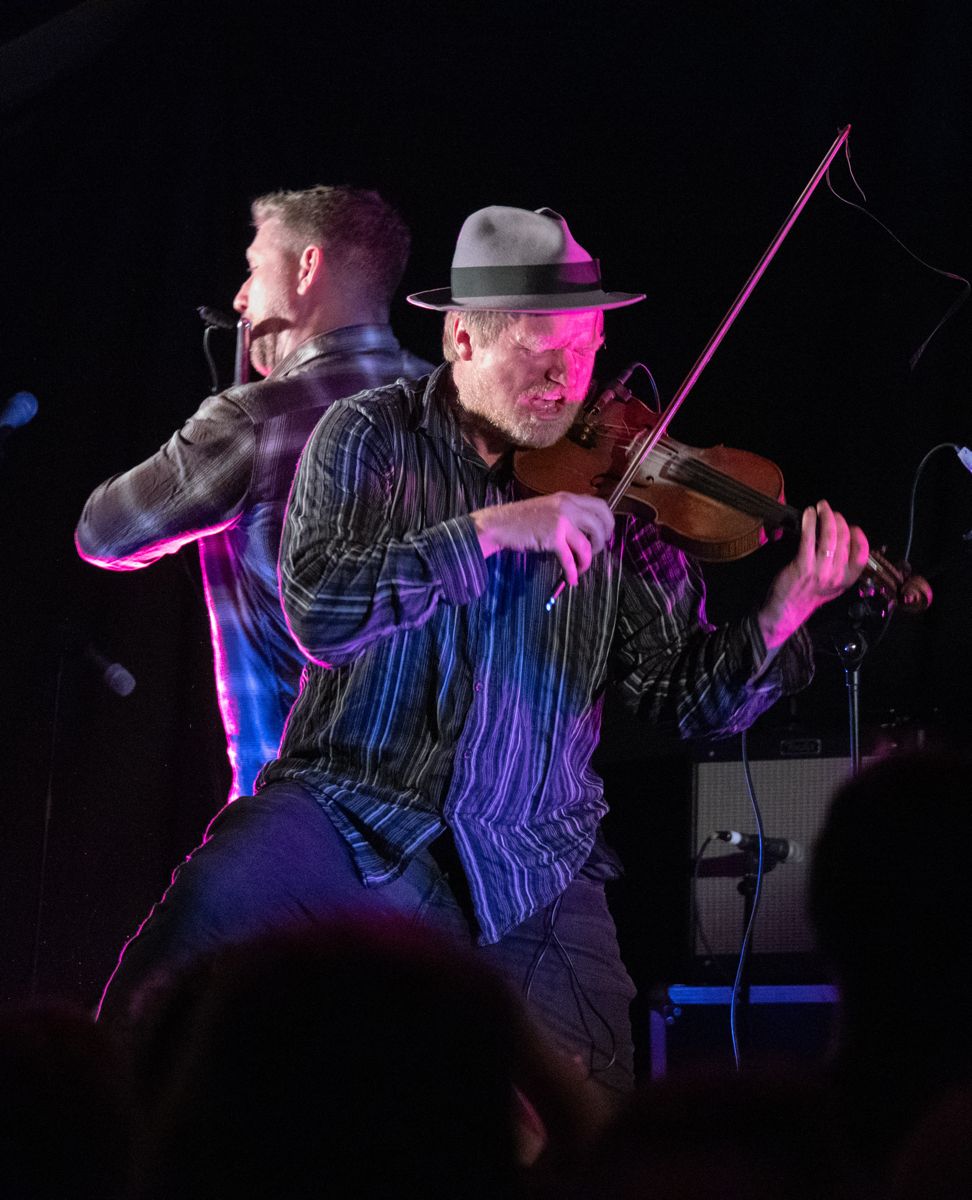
[[363, 1059], [889, 899], [370, 1058]]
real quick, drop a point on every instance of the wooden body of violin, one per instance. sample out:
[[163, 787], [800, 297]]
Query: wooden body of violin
[[717, 504]]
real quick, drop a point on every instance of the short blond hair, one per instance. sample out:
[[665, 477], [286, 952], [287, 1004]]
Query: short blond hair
[[364, 235], [487, 324]]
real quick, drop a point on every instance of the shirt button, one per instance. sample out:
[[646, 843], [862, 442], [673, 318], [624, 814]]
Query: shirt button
[[477, 687]]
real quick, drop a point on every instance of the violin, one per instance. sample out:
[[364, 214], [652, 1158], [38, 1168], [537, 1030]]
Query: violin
[[717, 504]]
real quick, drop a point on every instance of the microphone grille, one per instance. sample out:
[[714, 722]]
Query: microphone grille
[[19, 409], [219, 320], [121, 682]]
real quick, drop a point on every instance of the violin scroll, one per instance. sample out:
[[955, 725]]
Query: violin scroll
[[916, 595], [886, 585]]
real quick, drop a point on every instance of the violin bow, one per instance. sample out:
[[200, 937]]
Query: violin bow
[[644, 445]]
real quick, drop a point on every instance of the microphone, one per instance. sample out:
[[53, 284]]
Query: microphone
[[617, 389], [113, 674], [19, 409], [215, 318], [778, 849], [584, 430]]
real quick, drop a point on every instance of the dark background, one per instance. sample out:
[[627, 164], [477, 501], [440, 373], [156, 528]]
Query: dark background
[[674, 138]]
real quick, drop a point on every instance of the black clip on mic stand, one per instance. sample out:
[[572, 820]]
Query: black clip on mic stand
[[214, 319], [852, 646]]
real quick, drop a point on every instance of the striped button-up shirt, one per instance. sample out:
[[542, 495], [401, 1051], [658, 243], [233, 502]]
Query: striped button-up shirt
[[222, 480], [442, 694]]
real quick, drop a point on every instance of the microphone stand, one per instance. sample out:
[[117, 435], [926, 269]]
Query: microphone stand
[[851, 648], [851, 654]]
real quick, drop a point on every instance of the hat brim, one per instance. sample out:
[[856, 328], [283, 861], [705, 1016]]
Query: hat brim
[[442, 300]]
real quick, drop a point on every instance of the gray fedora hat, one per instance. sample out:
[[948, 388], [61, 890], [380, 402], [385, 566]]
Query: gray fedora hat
[[514, 260]]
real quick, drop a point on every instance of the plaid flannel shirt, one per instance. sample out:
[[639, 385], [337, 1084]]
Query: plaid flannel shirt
[[222, 480]]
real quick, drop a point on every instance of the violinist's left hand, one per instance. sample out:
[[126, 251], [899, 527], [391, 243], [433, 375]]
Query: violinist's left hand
[[830, 557]]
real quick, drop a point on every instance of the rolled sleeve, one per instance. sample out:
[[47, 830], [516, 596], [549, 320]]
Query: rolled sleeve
[[675, 669], [457, 560]]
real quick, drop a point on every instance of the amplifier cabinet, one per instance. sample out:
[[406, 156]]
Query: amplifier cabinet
[[794, 796], [690, 1026]]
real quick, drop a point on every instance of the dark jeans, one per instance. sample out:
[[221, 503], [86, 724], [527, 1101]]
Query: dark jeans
[[275, 861]]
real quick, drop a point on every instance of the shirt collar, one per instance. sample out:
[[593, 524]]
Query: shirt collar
[[438, 414], [439, 417], [350, 339]]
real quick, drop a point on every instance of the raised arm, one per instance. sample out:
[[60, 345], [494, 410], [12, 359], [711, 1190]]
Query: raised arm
[[194, 485], [678, 671], [689, 676]]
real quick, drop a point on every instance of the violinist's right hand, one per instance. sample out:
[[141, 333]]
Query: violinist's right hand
[[573, 527]]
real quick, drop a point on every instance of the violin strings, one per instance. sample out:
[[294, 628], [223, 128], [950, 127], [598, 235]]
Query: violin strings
[[724, 489], [712, 483], [721, 487]]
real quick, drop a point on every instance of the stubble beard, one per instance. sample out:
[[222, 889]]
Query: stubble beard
[[263, 352], [267, 336], [519, 430], [266, 350]]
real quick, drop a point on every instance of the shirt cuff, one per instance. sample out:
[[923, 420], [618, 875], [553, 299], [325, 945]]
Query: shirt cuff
[[790, 669], [453, 551]]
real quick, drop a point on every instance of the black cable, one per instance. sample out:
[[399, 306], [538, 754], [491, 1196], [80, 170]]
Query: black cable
[[577, 988], [45, 837], [544, 946], [651, 379], [959, 300], [213, 374], [914, 490], [965, 456]]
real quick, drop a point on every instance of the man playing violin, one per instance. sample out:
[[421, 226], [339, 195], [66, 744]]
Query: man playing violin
[[437, 760]]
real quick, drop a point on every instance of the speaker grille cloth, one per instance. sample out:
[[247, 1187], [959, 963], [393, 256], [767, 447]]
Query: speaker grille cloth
[[793, 795]]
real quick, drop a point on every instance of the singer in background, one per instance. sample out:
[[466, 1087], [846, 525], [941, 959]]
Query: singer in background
[[323, 267], [437, 760]]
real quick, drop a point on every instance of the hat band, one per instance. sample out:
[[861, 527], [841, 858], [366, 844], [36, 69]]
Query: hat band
[[542, 279]]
